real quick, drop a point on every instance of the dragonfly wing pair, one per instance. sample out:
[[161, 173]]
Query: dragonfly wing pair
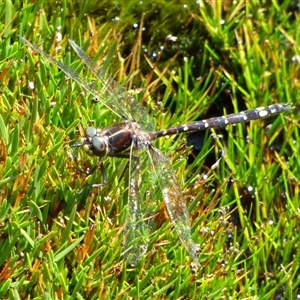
[[151, 178], [106, 90]]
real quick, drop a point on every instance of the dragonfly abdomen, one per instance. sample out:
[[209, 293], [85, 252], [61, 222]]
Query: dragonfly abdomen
[[232, 119]]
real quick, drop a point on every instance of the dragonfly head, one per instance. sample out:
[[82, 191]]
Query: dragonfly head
[[93, 143]]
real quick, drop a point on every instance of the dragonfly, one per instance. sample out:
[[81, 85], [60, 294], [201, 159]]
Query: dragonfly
[[151, 175]]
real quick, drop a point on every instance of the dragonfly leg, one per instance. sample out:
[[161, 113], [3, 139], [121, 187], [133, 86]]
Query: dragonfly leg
[[103, 172], [89, 172]]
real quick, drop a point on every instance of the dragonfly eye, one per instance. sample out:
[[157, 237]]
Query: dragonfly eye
[[99, 146], [91, 132]]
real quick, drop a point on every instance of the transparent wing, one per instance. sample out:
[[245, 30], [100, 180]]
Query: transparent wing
[[106, 90], [142, 205], [83, 83], [174, 201], [116, 96]]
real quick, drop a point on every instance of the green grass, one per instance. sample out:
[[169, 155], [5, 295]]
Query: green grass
[[59, 244]]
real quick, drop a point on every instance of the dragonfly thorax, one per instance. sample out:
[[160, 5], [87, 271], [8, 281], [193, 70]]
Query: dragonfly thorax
[[113, 140]]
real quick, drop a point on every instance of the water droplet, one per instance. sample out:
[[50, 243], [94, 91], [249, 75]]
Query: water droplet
[[58, 37], [31, 85]]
